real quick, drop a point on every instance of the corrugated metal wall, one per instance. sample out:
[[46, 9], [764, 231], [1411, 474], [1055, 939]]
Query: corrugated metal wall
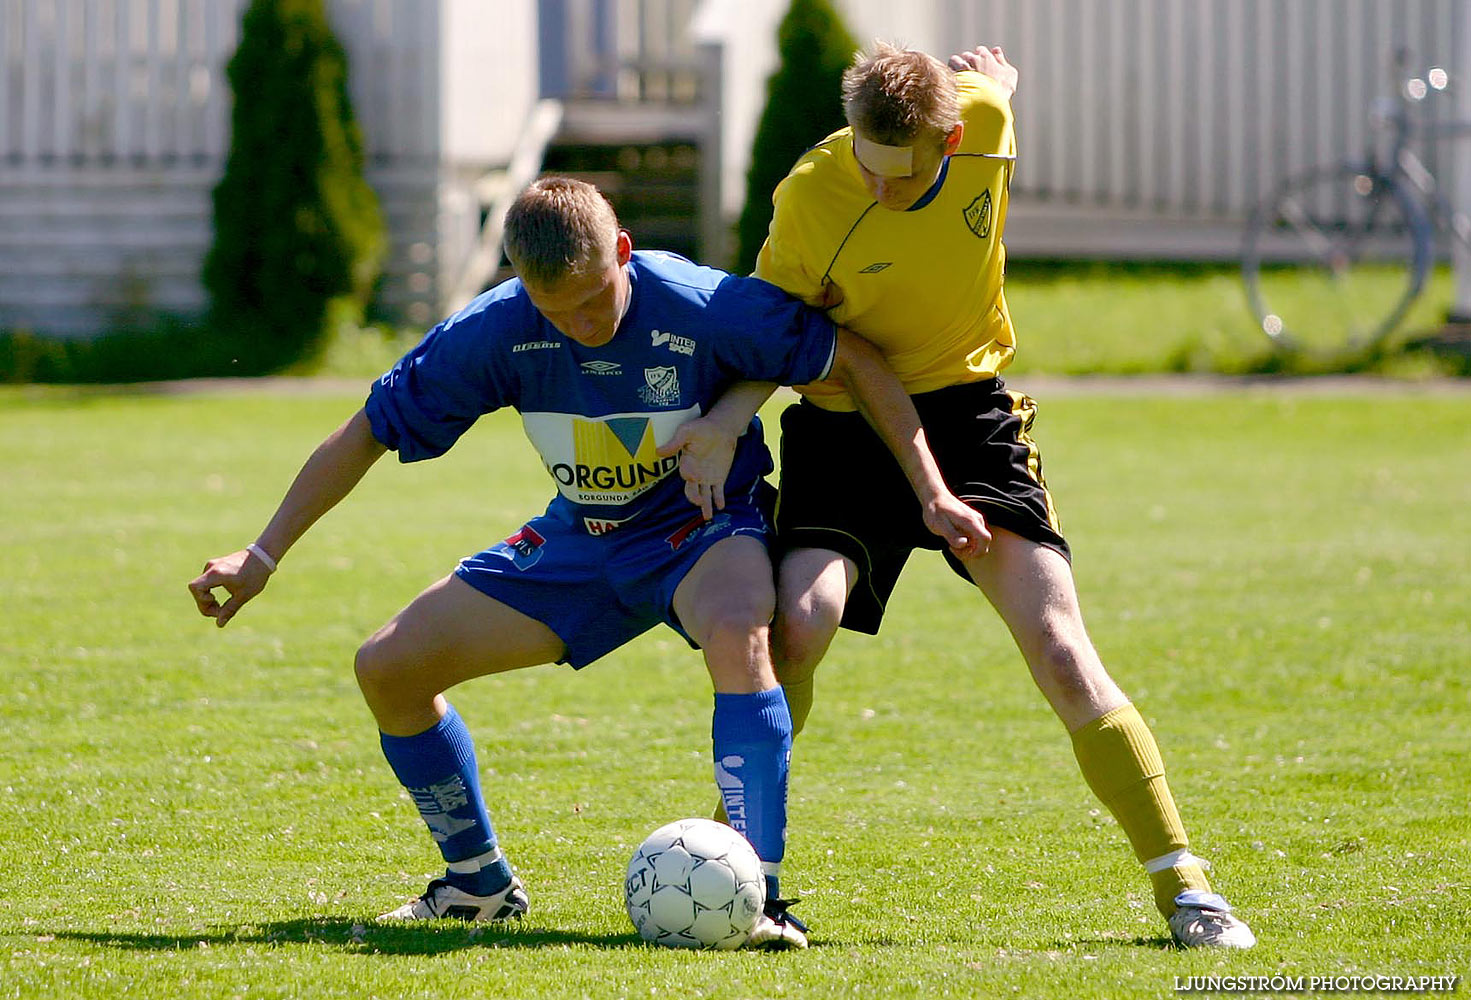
[[1198, 106]]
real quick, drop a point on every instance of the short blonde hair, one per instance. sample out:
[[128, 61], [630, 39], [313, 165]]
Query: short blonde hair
[[559, 226], [897, 96]]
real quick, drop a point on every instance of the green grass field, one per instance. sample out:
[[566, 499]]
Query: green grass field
[[1280, 579], [1128, 319], [1082, 318]]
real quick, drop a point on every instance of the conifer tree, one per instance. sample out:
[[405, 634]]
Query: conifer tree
[[296, 224], [803, 104]]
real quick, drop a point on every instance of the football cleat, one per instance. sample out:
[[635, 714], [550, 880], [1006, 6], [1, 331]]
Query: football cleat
[[443, 901], [1204, 920], [776, 929]]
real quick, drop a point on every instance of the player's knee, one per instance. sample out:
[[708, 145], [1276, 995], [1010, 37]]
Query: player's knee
[[742, 619], [379, 671], [800, 640], [1066, 666]]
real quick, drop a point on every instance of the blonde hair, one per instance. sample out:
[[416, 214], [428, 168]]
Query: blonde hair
[[897, 96], [559, 226]]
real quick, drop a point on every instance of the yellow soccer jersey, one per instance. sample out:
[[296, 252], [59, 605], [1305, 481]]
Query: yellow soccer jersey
[[924, 285]]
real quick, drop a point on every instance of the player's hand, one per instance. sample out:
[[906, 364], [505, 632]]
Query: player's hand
[[988, 61], [961, 525], [706, 451], [239, 574]]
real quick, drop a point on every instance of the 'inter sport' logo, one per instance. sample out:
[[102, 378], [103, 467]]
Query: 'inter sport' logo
[[673, 341]]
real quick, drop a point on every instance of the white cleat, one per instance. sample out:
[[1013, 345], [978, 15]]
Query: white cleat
[[776, 929], [442, 901], [1204, 920]]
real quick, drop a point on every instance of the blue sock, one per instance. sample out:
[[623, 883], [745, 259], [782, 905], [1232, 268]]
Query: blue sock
[[439, 770], [752, 734]]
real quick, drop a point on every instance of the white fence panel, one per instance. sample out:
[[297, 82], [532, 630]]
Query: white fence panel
[[114, 126], [1196, 107]]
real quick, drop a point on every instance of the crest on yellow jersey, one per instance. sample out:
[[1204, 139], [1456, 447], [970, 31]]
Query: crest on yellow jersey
[[978, 215]]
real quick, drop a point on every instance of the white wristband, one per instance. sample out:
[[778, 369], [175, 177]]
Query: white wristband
[[262, 555]]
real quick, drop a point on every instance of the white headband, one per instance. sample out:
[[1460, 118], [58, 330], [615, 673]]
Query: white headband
[[886, 161]]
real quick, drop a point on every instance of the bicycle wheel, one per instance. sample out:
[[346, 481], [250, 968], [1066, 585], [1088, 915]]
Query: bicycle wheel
[[1334, 258]]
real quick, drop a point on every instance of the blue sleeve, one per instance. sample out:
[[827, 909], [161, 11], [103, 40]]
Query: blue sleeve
[[770, 336], [422, 405]]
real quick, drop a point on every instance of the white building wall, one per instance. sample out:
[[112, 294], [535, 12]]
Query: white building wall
[[488, 78], [114, 126]]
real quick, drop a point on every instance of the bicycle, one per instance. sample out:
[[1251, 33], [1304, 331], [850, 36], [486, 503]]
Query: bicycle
[[1363, 234]]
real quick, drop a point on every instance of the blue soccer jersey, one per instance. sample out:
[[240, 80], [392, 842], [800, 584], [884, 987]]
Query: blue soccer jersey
[[597, 414]]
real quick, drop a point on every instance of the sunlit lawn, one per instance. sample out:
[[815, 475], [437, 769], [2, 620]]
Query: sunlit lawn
[[1279, 580]]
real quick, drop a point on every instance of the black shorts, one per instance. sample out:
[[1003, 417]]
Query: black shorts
[[841, 488]]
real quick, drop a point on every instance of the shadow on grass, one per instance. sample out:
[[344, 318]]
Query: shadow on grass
[[359, 937], [367, 938], [1162, 942]]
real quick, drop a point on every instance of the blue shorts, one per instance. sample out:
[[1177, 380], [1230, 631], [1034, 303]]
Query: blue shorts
[[599, 591]]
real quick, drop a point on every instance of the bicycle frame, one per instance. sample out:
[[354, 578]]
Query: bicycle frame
[[1363, 235], [1403, 164]]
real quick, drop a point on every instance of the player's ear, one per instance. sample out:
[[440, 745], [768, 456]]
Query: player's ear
[[952, 141], [624, 247]]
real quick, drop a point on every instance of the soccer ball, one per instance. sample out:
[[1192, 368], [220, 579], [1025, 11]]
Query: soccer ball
[[695, 883]]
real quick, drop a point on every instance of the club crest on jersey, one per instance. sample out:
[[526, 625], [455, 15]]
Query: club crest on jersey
[[661, 386], [523, 548], [978, 215]]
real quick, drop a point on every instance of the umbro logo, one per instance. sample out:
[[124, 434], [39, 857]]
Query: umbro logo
[[602, 368], [876, 268]]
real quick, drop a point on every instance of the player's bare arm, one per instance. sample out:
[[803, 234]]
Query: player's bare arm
[[706, 446], [989, 62], [883, 402], [328, 475], [887, 407]]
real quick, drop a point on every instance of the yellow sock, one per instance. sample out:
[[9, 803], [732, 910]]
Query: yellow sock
[[799, 701], [1121, 763]]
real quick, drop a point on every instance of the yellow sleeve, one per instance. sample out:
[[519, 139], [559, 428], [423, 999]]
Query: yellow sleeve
[[782, 259], [986, 111]]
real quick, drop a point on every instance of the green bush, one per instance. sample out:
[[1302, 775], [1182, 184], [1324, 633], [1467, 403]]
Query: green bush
[[296, 224], [803, 104], [174, 349]]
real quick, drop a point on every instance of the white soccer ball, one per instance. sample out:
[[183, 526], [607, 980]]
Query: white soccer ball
[[695, 883]]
